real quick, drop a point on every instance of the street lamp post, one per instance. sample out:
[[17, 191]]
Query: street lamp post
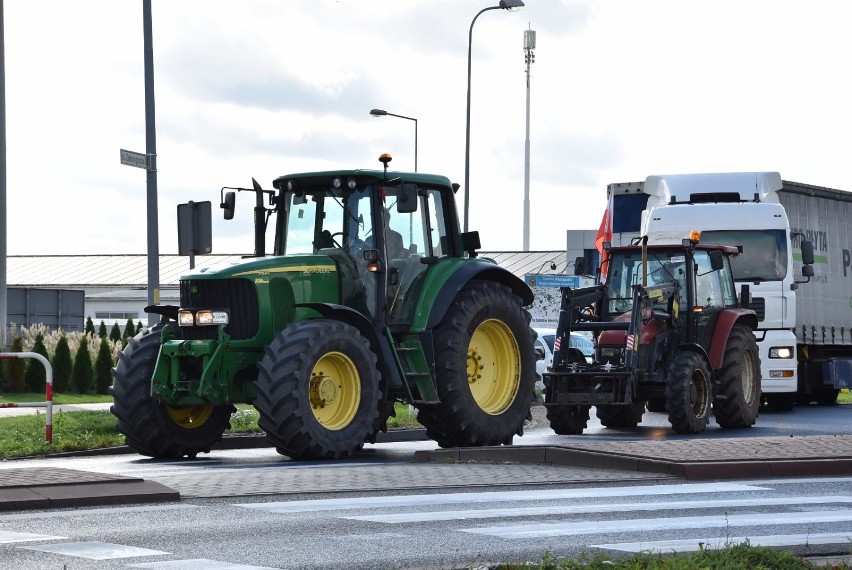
[[382, 113], [503, 5], [529, 46]]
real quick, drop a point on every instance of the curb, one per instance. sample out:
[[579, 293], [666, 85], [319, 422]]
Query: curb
[[691, 470]]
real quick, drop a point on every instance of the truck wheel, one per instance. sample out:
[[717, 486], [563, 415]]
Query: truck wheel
[[826, 396], [484, 367], [688, 393], [568, 420], [781, 402], [738, 395], [318, 390], [149, 426], [621, 416]]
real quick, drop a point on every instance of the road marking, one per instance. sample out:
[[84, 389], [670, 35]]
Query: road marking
[[395, 518], [549, 530], [198, 564], [495, 496], [694, 544], [95, 550], [9, 537]]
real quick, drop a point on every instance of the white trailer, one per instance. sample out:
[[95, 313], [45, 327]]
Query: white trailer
[[804, 334]]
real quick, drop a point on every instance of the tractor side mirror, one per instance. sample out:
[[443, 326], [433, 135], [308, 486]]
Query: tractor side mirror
[[406, 201], [228, 202], [717, 261], [470, 242], [745, 296]]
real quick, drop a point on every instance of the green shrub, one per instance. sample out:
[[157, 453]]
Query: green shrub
[[16, 368], [115, 333], [36, 377], [129, 329], [102, 332], [61, 364], [82, 376], [103, 368], [90, 326]]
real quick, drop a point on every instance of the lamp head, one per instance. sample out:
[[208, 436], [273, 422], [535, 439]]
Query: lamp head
[[378, 112]]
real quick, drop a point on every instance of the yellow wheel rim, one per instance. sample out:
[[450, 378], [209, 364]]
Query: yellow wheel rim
[[493, 366], [335, 390], [190, 417]]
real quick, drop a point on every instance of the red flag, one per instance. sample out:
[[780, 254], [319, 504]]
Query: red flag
[[604, 234]]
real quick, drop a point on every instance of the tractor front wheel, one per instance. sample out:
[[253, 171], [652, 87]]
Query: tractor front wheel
[[689, 393], [318, 390], [485, 369], [151, 427], [620, 417], [738, 395], [568, 420]]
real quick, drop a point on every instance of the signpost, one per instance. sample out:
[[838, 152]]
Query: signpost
[[136, 159]]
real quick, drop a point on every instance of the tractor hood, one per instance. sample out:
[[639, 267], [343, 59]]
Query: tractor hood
[[265, 267]]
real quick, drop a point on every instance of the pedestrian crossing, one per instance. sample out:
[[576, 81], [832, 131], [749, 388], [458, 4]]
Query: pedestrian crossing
[[667, 517]]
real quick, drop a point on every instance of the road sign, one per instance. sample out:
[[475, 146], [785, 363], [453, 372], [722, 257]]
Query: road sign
[[136, 159]]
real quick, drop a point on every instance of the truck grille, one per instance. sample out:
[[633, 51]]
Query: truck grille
[[238, 296], [758, 305]]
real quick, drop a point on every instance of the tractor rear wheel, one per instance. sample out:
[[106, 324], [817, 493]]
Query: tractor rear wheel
[[738, 394], [149, 426], [485, 369], [318, 390], [620, 416], [568, 420], [689, 393]]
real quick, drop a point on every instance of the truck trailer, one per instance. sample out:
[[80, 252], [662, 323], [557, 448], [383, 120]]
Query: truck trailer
[[804, 330]]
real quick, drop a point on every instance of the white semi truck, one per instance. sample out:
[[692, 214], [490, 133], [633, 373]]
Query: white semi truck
[[805, 323]]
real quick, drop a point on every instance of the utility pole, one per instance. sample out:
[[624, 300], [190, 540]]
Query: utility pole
[[151, 151], [4, 312], [529, 57]]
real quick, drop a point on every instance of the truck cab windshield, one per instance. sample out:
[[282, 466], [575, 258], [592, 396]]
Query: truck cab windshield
[[764, 256]]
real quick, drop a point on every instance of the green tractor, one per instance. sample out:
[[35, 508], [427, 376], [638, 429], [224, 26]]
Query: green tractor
[[371, 296]]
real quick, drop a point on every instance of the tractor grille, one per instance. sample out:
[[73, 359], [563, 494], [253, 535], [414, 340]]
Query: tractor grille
[[758, 305], [238, 296]]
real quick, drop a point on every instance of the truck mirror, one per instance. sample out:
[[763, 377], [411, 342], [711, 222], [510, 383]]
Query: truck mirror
[[717, 262], [579, 266], [807, 271], [807, 252], [228, 203], [406, 200]]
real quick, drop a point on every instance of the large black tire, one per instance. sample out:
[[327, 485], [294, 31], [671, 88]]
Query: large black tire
[[781, 402], [737, 399], [568, 420], [319, 390], [149, 426], [619, 417], [485, 369], [689, 393]]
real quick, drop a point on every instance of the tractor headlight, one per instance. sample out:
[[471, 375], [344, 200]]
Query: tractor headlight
[[781, 352], [202, 318]]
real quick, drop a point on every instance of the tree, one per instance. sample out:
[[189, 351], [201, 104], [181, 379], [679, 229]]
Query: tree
[[102, 332], [90, 326], [61, 364], [16, 368], [103, 368], [115, 333], [129, 330], [139, 327], [36, 376], [82, 376]]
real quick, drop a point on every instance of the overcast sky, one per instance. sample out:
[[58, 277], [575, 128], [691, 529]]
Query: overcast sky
[[620, 89]]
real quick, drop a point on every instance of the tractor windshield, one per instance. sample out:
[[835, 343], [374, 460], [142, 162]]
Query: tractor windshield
[[625, 270], [764, 256]]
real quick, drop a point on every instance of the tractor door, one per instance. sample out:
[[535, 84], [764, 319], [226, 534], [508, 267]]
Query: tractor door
[[423, 242], [709, 298]]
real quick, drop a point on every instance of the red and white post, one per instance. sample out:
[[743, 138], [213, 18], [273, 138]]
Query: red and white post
[[48, 391]]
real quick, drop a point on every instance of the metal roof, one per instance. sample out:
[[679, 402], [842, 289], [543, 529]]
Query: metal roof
[[131, 271]]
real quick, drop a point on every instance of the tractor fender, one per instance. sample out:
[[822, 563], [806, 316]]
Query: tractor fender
[[481, 271], [724, 323], [378, 344]]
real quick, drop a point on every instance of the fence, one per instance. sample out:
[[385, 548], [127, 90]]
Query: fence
[[48, 391]]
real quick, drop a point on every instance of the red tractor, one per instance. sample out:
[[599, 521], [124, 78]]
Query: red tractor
[[669, 332]]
